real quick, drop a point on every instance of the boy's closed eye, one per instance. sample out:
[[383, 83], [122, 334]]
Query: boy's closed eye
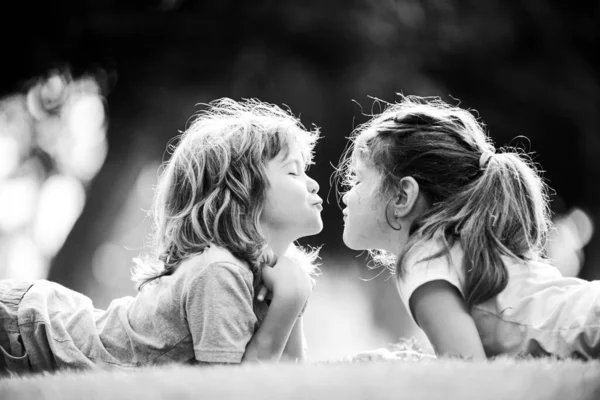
[[295, 167]]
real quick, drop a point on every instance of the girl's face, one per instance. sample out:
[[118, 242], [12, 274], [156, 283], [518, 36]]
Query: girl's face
[[365, 223], [293, 208]]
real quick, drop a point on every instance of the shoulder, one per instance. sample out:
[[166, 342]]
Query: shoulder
[[430, 261], [216, 266], [216, 279], [429, 254]]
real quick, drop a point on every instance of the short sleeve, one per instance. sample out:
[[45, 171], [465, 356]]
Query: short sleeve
[[218, 306], [417, 272]]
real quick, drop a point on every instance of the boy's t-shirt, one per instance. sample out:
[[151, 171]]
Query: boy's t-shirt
[[540, 312], [203, 312]]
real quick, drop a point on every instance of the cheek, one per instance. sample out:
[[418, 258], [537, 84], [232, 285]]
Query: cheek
[[272, 205], [355, 200], [363, 204], [363, 213], [365, 229]]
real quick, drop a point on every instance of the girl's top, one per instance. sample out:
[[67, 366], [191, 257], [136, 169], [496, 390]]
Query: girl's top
[[540, 312], [202, 312]]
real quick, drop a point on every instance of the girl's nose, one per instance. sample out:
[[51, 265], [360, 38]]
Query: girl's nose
[[345, 198], [313, 186]]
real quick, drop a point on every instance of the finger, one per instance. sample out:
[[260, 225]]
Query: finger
[[262, 292], [265, 267]]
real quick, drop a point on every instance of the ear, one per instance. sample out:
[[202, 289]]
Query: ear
[[407, 194]]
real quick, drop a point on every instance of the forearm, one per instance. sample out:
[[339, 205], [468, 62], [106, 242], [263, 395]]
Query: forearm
[[442, 314], [295, 349], [269, 341]]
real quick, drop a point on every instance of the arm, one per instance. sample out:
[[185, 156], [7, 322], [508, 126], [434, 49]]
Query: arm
[[442, 314], [270, 339], [295, 349], [290, 287]]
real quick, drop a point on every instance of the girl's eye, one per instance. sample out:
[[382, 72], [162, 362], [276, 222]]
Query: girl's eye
[[293, 173]]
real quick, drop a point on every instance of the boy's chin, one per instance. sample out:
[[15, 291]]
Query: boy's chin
[[311, 230], [316, 229]]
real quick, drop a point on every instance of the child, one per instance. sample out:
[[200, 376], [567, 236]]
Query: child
[[231, 201], [466, 229]]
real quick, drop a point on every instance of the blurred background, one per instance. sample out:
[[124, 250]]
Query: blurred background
[[91, 92]]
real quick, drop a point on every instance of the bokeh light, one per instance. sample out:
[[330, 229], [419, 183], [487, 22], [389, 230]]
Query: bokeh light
[[572, 231], [18, 197], [60, 203], [52, 143]]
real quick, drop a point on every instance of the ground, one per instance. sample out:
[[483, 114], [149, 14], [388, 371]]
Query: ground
[[426, 378]]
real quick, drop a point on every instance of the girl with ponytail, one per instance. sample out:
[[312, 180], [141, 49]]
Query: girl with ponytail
[[464, 228]]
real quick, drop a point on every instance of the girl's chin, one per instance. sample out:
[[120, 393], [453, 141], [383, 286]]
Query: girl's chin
[[352, 244]]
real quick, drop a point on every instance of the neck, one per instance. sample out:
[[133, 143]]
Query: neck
[[397, 241], [399, 238], [278, 242]]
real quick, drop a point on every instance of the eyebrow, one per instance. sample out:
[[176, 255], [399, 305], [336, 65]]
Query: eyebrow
[[294, 161]]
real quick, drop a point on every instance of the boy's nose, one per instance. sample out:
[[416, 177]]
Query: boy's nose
[[313, 186]]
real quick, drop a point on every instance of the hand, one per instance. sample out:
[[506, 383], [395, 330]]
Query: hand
[[373, 355], [264, 293], [387, 355], [285, 278]]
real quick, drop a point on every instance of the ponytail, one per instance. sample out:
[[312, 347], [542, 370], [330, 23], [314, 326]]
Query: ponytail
[[504, 212]]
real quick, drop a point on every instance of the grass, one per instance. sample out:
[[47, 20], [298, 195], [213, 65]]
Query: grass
[[502, 378]]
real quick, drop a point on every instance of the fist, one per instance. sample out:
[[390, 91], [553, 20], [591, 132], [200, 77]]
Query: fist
[[286, 278]]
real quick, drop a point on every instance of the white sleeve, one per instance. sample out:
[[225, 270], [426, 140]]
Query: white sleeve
[[418, 272]]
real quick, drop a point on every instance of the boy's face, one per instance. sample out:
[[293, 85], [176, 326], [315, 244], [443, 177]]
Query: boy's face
[[365, 223], [292, 208]]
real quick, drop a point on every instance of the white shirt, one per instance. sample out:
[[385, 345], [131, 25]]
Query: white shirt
[[540, 312]]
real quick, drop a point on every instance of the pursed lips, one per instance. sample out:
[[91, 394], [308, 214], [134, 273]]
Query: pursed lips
[[318, 204]]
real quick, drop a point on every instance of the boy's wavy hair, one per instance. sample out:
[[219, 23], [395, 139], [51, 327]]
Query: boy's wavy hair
[[212, 190], [496, 209]]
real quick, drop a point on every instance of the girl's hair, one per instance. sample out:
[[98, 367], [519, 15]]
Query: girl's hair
[[493, 204], [213, 188]]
